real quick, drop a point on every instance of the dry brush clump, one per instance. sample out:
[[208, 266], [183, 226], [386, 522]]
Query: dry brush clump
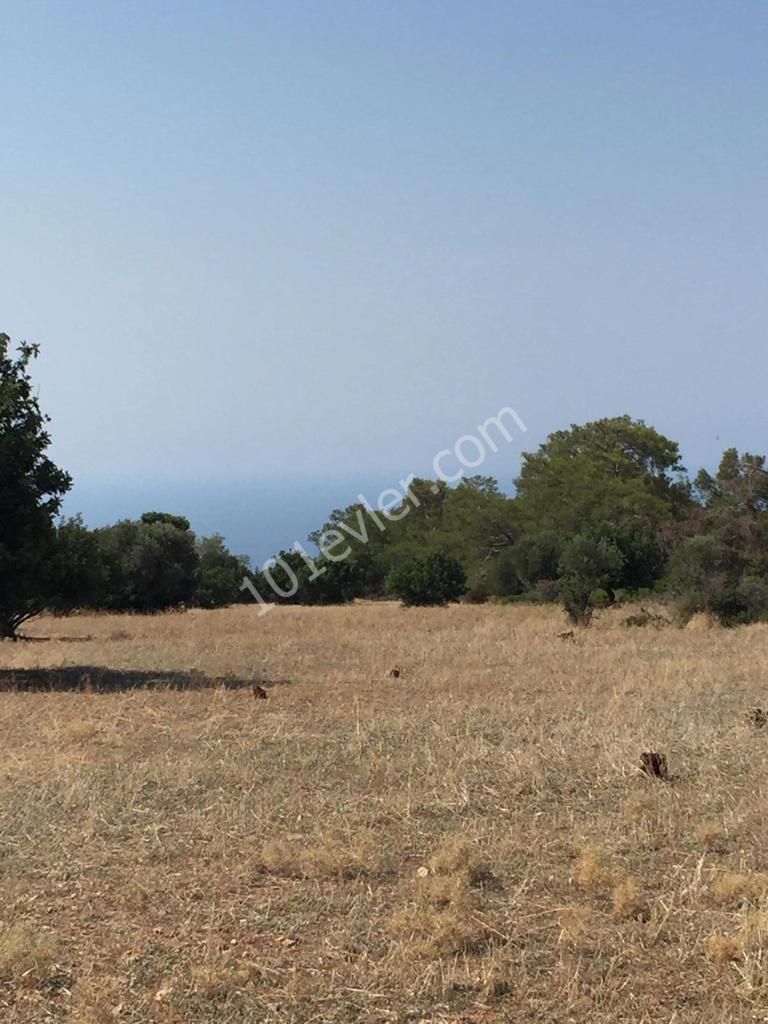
[[445, 912], [597, 876], [740, 886], [27, 953], [325, 856], [746, 943]]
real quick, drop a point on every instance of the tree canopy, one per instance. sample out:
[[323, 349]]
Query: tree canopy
[[31, 491]]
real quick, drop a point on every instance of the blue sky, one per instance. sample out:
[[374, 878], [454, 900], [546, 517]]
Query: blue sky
[[275, 253]]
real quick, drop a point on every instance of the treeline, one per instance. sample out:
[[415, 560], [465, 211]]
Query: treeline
[[602, 513], [145, 565]]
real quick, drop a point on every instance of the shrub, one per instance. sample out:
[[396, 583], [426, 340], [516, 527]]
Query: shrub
[[437, 579], [477, 591], [503, 579], [647, 618], [708, 575], [149, 565], [586, 566]]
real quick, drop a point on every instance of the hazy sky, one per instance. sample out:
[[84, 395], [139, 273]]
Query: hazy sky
[[275, 252]]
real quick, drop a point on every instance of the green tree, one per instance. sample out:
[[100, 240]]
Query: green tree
[[721, 565], [535, 557], [436, 579], [740, 485], [77, 574], [177, 522], [644, 557], [148, 565], [735, 507], [220, 573], [588, 564], [162, 567], [474, 522], [614, 470], [31, 491]]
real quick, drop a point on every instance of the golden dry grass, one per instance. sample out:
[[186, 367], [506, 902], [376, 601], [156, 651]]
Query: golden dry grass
[[468, 842]]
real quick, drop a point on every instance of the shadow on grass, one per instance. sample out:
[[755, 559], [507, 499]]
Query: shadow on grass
[[22, 639], [94, 679]]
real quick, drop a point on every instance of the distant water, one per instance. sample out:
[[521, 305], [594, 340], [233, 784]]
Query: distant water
[[256, 519]]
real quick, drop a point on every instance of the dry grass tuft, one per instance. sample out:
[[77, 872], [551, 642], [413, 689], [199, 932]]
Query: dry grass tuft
[[26, 953], [460, 859], [447, 915], [96, 1001], [443, 890], [593, 872], [710, 834], [754, 928], [576, 925], [748, 943], [641, 805], [737, 886], [324, 856], [723, 949], [456, 928], [702, 621], [628, 902], [223, 979]]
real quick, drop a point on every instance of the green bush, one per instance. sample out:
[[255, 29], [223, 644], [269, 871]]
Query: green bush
[[149, 565], [587, 565], [437, 579], [709, 575]]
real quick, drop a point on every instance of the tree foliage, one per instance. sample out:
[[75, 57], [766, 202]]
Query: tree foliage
[[612, 470], [31, 491], [588, 564], [437, 579]]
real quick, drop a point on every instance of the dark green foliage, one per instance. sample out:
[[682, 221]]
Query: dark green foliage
[[77, 569], [644, 556], [219, 575], [501, 576], [474, 522], [338, 583], [31, 490], [739, 487], [280, 582], [723, 567], [436, 579], [177, 522], [588, 564], [150, 566], [612, 470], [709, 574], [535, 557], [147, 565], [298, 579]]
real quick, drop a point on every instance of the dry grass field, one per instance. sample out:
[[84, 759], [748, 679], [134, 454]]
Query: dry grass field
[[468, 841]]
